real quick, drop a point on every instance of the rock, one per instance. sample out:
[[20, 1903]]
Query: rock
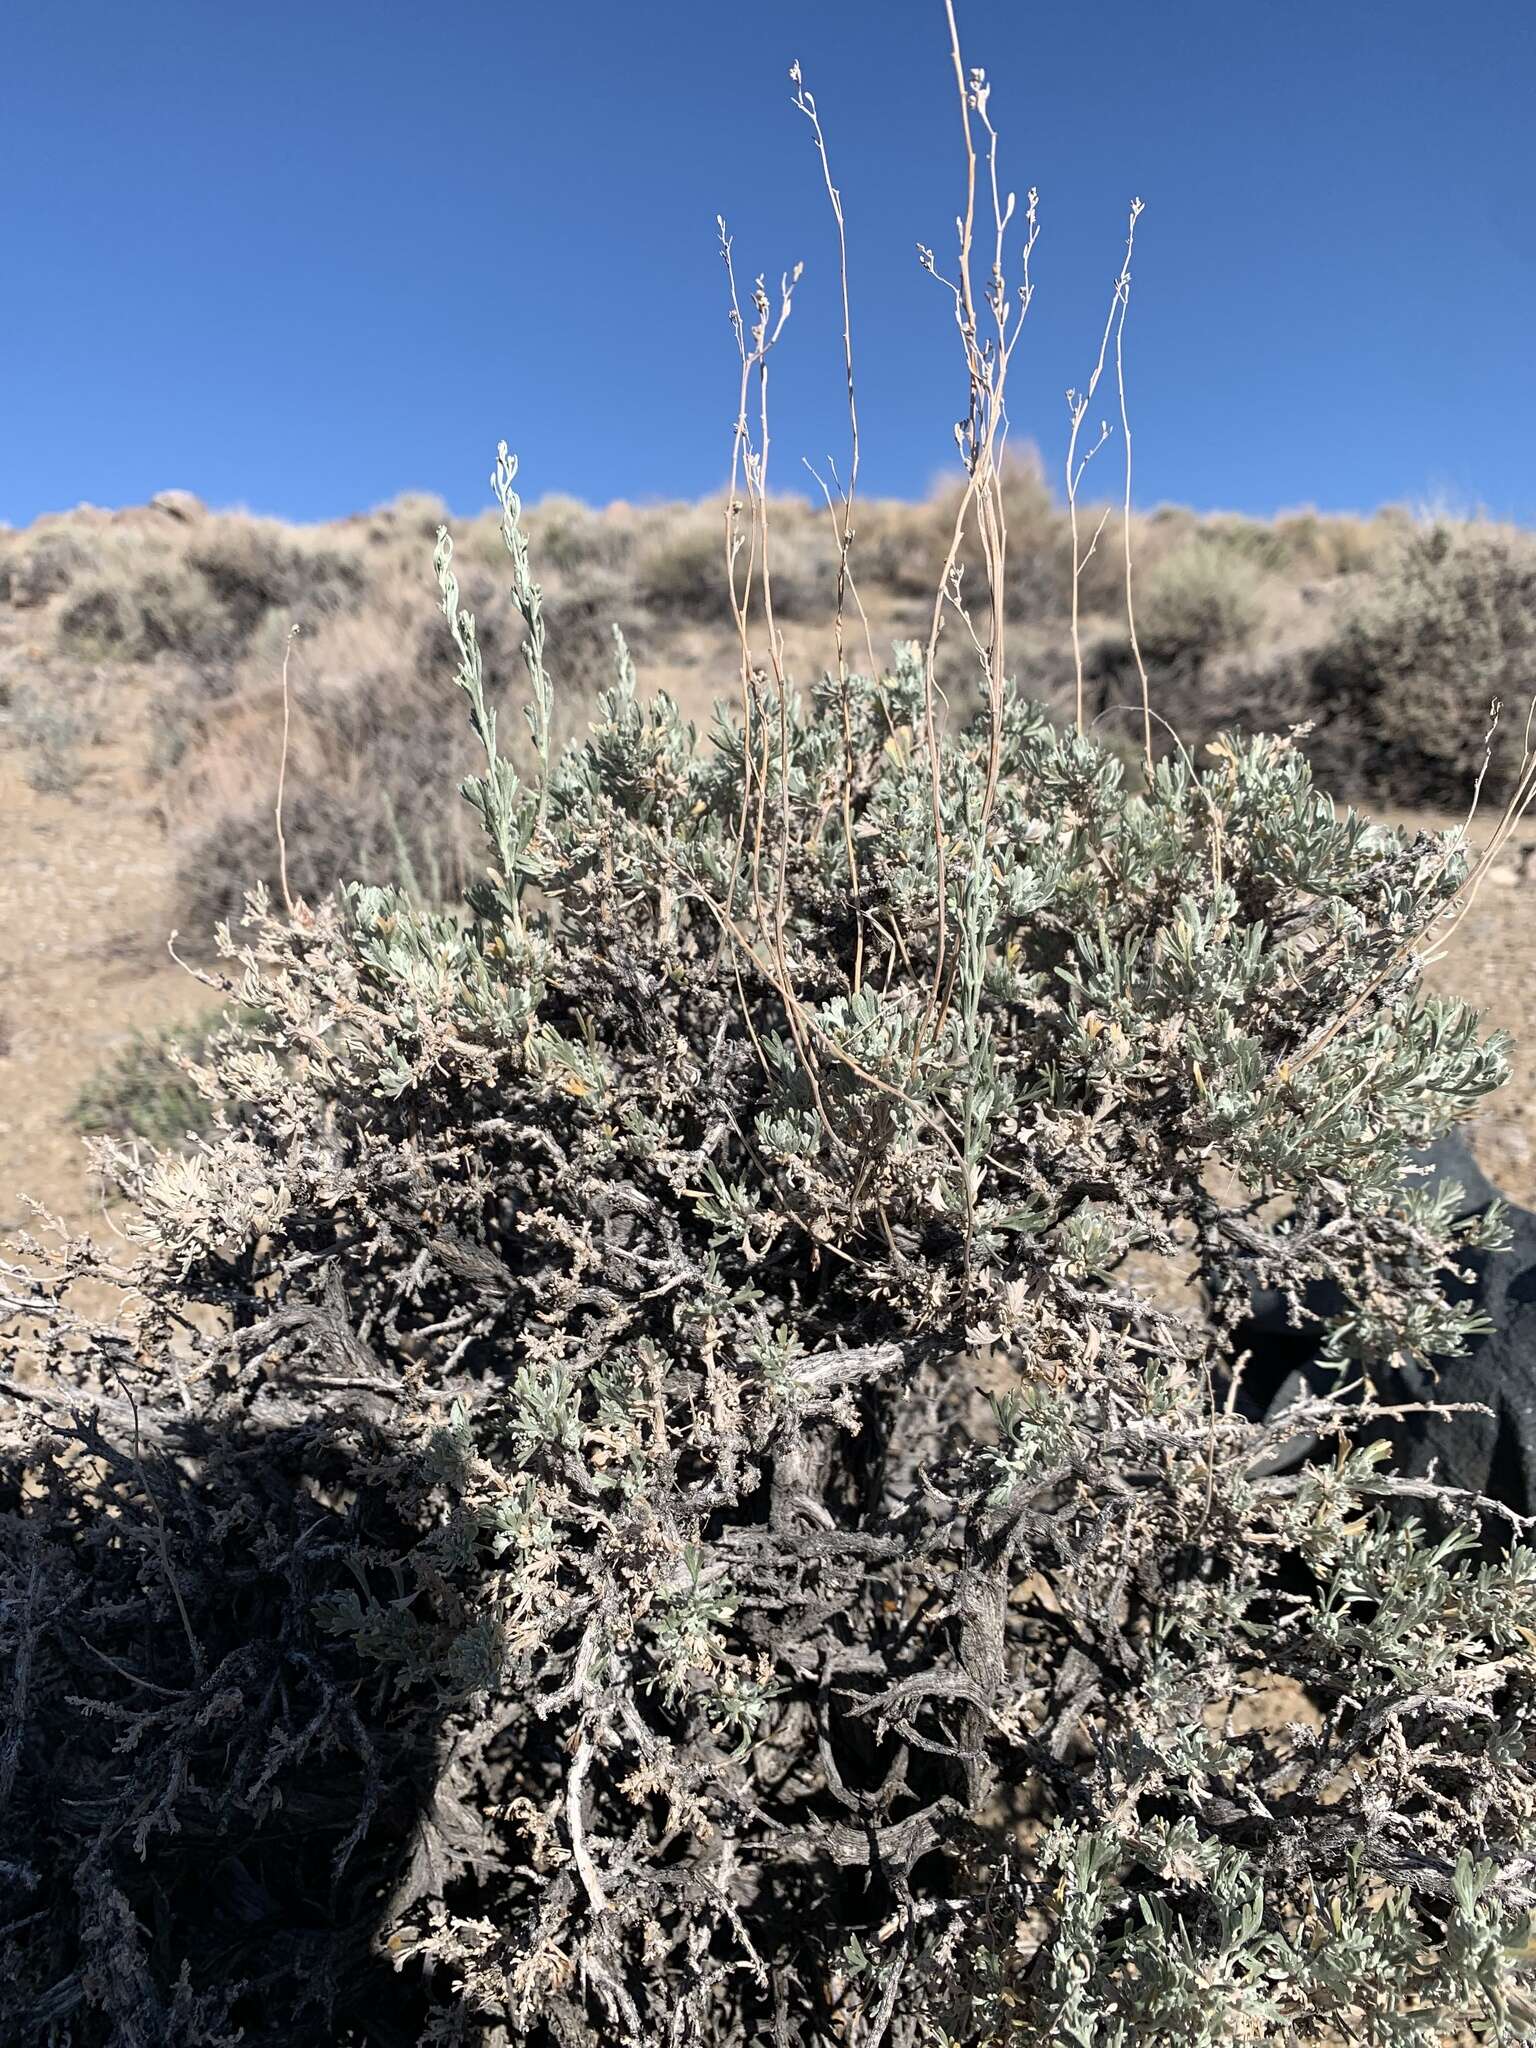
[[179, 505], [1495, 1452], [1491, 1452]]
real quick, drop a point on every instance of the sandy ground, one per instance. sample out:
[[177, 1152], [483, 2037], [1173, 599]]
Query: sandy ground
[[1491, 963], [84, 885], [83, 959]]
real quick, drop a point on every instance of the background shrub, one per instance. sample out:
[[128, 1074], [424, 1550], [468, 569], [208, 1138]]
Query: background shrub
[[159, 610], [254, 569], [1198, 601], [40, 565], [58, 725], [374, 741], [680, 572], [1391, 649], [579, 545], [1407, 680], [144, 1090], [902, 548]]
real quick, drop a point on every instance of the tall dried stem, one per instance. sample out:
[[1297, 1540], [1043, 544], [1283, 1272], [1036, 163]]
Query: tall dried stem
[[1124, 296], [980, 437], [282, 778], [841, 512]]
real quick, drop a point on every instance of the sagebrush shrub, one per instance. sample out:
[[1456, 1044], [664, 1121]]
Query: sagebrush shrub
[[901, 548], [37, 568], [163, 608], [361, 809], [204, 602], [1198, 601], [1404, 688], [57, 726], [576, 542], [678, 570], [144, 1089], [636, 1489], [254, 569], [1298, 544]]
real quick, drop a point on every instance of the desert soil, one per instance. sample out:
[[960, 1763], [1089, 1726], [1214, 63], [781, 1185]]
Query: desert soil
[[84, 884]]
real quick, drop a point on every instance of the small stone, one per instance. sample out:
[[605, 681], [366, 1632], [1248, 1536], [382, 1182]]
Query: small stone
[[179, 505]]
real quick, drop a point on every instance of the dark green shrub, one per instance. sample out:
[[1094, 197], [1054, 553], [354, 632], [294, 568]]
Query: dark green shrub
[[636, 1488]]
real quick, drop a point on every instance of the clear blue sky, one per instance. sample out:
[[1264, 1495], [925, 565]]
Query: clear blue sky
[[302, 257]]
